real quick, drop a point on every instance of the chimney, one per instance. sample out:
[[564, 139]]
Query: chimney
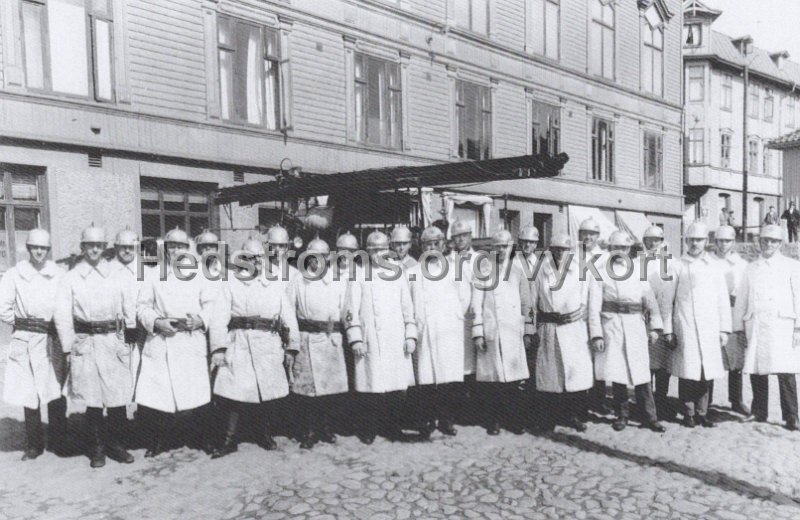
[[779, 58]]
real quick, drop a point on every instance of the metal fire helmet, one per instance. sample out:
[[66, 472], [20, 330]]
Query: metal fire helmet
[[432, 234], [318, 246], [620, 239], [697, 230], [590, 225], [93, 234], [401, 234], [377, 240], [347, 241], [561, 241], [126, 237], [206, 238], [253, 246], [278, 235], [38, 238], [529, 233], [176, 236], [653, 232], [459, 227], [502, 238], [726, 233], [772, 231]]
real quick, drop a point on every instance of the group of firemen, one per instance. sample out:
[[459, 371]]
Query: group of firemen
[[202, 354]]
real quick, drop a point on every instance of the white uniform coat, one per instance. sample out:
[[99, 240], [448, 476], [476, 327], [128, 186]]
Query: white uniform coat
[[625, 359], [36, 368], [174, 373], [319, 367], [380, 313], [502, 318], [100, 364], [254, 371], [440, 307], [466, 260], [660, 353], [127, 275], [699, 312], [732, 267], [564, 357], [768, 310]]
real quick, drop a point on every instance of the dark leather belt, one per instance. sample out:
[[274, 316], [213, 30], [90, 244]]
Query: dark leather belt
[[34, 325], [315, 326], [252, 323], [95, 327], [622, 307], [560, 318], [131, 335]]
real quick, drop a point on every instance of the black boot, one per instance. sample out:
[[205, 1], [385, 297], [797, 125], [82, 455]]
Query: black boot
[[117, 430], [735, 393], [95, 425], [156, 423], [57, 438], [229, 443], [34, 445]]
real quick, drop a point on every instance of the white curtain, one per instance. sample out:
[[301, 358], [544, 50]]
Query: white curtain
[[486, 204], [270, 80], [254, 86], [427, 211]]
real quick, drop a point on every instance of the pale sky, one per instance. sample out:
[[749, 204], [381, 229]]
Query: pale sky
[[773, 24]]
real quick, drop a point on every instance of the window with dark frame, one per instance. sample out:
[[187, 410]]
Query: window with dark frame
[[753, 102], [752, 156], [653, 60], [474, 120], [769, 105], [767, 169], [790, 104], [67, 47], [725, 150], [726, 101], [22, 203], [601, 39], [378, 101], [653, 161], [545, 128], [249, 73], [694, 35], [543, 27], [472, 15], [602, 150], [168, 203], [696, 146], [697, 79]]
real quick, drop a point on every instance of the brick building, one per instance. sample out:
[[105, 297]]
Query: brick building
[[134, 112]]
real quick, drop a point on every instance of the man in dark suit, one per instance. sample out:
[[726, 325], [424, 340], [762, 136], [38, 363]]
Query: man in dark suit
[[792, 216]]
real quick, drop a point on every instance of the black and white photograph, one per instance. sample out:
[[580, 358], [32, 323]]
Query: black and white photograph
[[399, 259]]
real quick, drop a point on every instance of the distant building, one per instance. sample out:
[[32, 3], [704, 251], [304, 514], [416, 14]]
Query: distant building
[[714, 142]]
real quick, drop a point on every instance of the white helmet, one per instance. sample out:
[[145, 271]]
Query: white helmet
[[697, 230], [38, 238], [401, 234], [253, 246], [431, 234], [620, 239], [277, 235], [590, 225], [177, 236], [653, 232], [318, 246], [347, 241], [772, 231], [561, 241], [377, 240], [126, 237], [529, 233], [726, 233], [93, 234], [459, 227], [502, 238]]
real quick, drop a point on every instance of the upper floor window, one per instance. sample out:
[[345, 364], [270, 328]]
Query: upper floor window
[[726, 100], [769, 105], [545, 128], [653, 60], [249, 73], [693, 35], [697, 79], [473, 15], [543, 27], [653, 160], [752, 156], [601, 40], [790, 103], [725, 150], [753, 101], [378, 110], [602, 150], [696, 146], [474, 120], [169, 203], [67, 47], [767, 161]]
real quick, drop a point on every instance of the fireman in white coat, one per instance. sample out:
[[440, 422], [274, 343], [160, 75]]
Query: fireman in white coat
[[344, 270], [319, 368], [176, 311], [618, 304], [440, 304], [732, 266], [382, 332], [91, 314], [123, 266], [699, 313], [36, 368], [767, 311], [528, 241], [400, 244], [503, 331], [278, 266]]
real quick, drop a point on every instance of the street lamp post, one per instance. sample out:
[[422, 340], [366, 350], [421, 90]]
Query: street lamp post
[[744, 148]]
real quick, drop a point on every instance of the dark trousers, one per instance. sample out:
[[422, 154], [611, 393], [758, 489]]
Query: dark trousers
[[787, 385], [661, 379], [503, 404], [57, 427], [197, 426], [792, 232], [316, 413], [381, 412], [644, 398], [735, 381], [694, 395], [560, 408], [437, 402]]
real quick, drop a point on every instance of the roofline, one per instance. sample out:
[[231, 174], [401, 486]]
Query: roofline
[[738, 66]]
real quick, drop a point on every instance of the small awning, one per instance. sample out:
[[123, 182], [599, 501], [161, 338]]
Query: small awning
[[398, 177], [633, 222]]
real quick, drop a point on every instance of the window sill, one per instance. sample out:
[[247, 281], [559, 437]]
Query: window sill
[[380, 147], [69, 98]]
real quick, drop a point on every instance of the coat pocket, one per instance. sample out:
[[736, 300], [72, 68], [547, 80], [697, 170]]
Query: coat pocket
[[18, 350]]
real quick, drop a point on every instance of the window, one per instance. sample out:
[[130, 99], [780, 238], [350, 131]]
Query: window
[[474, 116], [693, 35], [790, 111], [472, 214], [696, 155], [67, 47], [602, 150], [21, 209], [697, 79], [767, 169], [769, 105], [601, 40], [653, 160], [653, 60], [473, 15], [752, 156], [377, 101], [544, 223], [726, 102], [545, 128], [249, 73], [543, 27], [753, 101], [725, 150], [169, 203]]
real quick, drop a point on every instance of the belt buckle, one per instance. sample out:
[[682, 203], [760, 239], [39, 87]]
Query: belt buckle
[[330, 326]]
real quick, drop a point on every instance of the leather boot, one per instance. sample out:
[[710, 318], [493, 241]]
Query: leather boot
[[156, 424], [95, 425], [117, 429], [57, 438], [229, 444], [735, 393], [34, 438]]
